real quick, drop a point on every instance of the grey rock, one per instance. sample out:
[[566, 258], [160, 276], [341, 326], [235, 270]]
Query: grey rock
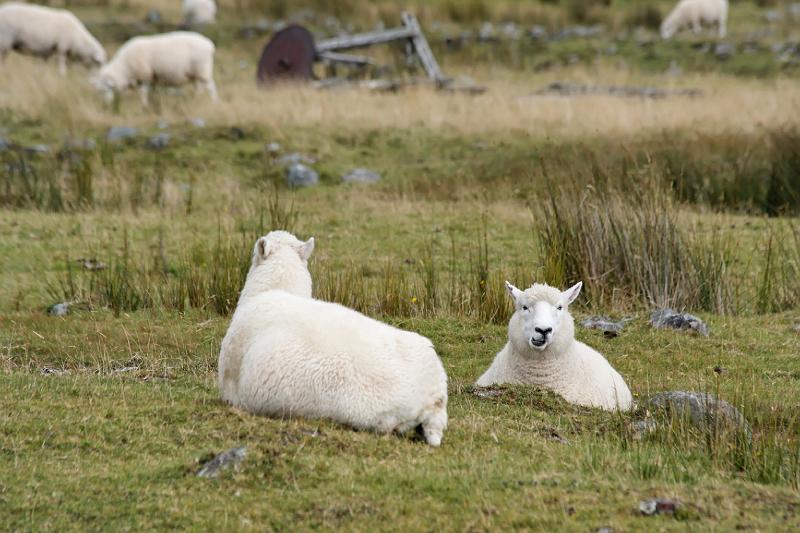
[[604, 530], [701, 408], [538, 33], [223, 461], [59, 309], [124, 369], [580, 32], [272, 148], [162, 125], [295, 158], [658, 506], [5, 144], [794, 9], [159, 141], [628, 91], [91, 265], [511, 31], [604, 323], [153, 16], [487, 393], [667, 318], [121, 133], [361, 175], [643, 427], [49, 371], [380, 85], [299, 175], [198, 122], [796, 328], [773, 15], [486, 32], [37, 149], [724, 51]]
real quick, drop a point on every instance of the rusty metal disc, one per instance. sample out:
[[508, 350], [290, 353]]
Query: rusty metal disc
[[289, 55]]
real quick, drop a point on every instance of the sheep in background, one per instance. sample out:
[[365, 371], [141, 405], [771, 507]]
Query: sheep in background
[[694, 13], [542, 350], [198, 12], [174, 58], [286, 354], [43, 31]]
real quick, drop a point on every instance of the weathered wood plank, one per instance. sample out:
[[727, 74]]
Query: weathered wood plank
[[422, 48], [366, 39], [345, 58]]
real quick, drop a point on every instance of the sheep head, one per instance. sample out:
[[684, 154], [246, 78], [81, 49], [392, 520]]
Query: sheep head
[[541, 317], [280, 242]]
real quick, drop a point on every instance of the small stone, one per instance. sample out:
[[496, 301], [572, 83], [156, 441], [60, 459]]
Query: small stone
[[49, 371], [796, 328], [159, 141], [773, 15], [658, 506], [120, 133], [511, 31], [702, 409], [59, 309], [538, 33], [272, 148], [37, 149], [91, 265], [605, 324], [724, 51], [153, 16], [604, 530], [162, 125], [667, 318], [223, 461], [299, 175], [124, 369], [198, 122], [486, 33], [643, 427], [5, 144], [380, 85], [295, 158], [361, 175], [794, 9], [487, 393]]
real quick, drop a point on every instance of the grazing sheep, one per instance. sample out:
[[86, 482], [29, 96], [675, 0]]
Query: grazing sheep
[[43, 31], [199, 12], [172, 58], [286, 354], [694, 13], [542, 350]]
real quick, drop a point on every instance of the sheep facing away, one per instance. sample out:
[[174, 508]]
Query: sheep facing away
[[198, 12], [286, 354], [542, 350], [693, 13], [44, 31], [174, 58]]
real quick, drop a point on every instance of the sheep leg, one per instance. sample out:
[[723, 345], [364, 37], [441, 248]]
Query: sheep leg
[[433, 427], [722, 29], [62, 64], [211, 87], [144, 94], [696, 26]]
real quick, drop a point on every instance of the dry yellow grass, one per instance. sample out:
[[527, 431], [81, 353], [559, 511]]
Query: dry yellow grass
[[34, 89]]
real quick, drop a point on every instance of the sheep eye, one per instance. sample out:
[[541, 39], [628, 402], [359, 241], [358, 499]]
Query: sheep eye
[[560, 307], [525, 307]]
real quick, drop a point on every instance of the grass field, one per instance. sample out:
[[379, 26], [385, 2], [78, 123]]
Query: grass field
[[107, 413]]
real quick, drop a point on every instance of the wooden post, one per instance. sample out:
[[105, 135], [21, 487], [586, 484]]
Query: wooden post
[[422, 48]]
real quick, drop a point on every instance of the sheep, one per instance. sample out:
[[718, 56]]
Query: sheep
[[171, 58], [198, 12], [43, 31], [695, 12], [286, 354], [542, 350]]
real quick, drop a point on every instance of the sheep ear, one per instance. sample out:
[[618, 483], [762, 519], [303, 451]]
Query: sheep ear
[[572, 293], [514, 292], [262, 249], [306, 249]]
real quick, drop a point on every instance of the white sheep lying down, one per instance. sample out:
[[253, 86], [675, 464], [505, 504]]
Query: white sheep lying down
[[43, 31], [286, 354], [542, 350], [174, 58], [198, 12], [694, 13]]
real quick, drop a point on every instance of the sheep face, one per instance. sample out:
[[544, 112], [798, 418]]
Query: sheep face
[[280, 242], [541, 316]]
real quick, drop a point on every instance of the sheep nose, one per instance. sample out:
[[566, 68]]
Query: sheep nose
[[544, 332]]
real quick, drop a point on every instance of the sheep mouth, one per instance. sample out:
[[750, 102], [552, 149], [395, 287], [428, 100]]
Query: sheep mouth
[[538, 343]]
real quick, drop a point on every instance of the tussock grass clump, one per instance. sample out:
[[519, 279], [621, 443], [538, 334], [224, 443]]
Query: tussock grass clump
[[629, 248]]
